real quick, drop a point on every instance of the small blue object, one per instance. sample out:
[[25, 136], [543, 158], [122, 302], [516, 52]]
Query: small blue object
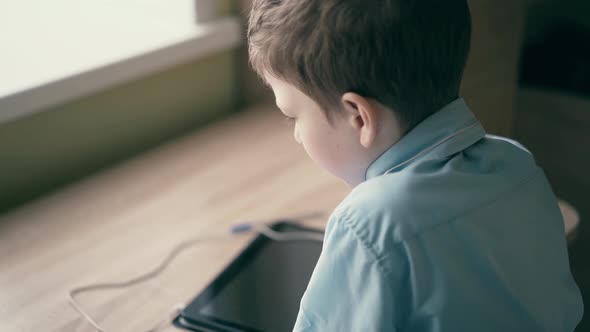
[[241, 228]]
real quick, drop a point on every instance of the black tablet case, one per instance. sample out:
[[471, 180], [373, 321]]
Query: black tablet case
[[260, 290]]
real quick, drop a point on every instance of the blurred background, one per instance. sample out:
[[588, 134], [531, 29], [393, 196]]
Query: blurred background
[[86, 86]]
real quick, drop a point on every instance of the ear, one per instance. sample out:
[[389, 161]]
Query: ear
[[362, 116]]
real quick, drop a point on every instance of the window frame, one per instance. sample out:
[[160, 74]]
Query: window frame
[[206, 10], [212, 34]]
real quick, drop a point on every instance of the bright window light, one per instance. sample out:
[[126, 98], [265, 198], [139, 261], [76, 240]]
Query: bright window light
[[61, 49]]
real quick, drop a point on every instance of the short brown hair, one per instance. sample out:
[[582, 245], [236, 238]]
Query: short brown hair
[[407, 54]]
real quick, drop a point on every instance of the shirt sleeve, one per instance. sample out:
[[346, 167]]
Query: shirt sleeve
[[350, 290]]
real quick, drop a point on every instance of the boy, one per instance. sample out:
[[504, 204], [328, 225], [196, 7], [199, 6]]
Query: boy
[[445, 229]]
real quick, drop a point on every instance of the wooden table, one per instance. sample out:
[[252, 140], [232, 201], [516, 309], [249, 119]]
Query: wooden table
[[124, 221]]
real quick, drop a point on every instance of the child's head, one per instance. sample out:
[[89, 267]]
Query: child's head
[[403, 56]]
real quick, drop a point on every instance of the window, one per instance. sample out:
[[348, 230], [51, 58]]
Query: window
[[53, 51]]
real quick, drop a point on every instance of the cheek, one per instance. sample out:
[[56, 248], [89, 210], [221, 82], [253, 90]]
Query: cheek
[[326, 149]]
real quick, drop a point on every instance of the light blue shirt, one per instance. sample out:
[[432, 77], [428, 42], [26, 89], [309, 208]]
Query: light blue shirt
[[452, 230]]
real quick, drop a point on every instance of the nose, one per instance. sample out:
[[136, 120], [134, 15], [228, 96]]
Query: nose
[[296, 135]]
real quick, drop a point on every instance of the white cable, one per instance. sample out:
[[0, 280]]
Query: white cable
[[237, 229], [142, 278]]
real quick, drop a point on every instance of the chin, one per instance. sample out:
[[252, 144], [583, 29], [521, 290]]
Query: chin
[[352, 180], [352, 176]]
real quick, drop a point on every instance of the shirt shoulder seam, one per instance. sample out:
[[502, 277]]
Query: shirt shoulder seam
[[381, 258], [348, 225], [474, 209]]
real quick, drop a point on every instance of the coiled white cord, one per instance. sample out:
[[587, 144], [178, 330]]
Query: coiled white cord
[[236, 229]]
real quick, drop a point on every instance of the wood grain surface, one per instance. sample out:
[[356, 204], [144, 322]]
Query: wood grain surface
[[124, 221]]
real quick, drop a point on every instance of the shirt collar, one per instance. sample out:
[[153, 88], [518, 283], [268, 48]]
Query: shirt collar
[[446, 132]]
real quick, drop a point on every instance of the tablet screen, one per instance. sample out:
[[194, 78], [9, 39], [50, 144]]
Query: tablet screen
[[261, 290]]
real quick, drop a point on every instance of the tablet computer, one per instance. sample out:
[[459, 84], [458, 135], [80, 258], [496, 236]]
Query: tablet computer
[[260, 290]]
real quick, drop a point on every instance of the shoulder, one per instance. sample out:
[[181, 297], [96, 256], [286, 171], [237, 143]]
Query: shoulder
[[391, 208], [376, 211]]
